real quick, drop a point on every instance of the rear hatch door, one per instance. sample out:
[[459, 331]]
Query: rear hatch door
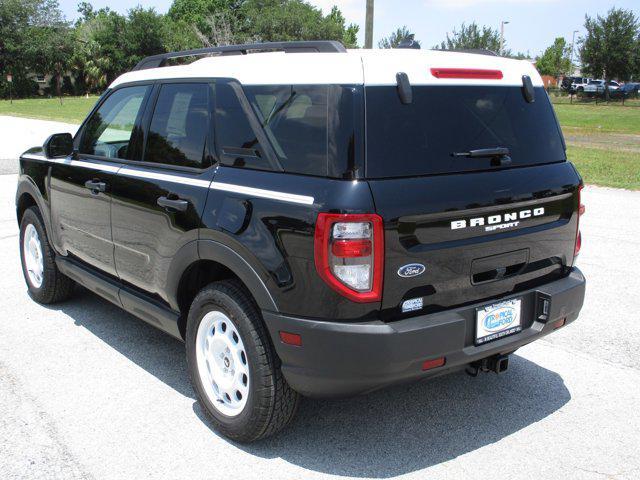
[[482, 226]]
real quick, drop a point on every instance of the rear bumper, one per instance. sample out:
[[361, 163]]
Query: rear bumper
[[340, 359]]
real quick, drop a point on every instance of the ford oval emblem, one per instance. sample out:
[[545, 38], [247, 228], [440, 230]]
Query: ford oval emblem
[[411, 270]]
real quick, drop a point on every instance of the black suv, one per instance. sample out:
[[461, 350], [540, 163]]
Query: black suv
[[382, 217]]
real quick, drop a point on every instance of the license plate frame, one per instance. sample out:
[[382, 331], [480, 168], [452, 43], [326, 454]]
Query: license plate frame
[[498, 320]]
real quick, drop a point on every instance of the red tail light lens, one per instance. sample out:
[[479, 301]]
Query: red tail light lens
[[349, 254], [351, 248], [467, 73], [581, 210]]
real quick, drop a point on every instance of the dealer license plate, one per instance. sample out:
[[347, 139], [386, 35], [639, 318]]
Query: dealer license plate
[[498, 320]]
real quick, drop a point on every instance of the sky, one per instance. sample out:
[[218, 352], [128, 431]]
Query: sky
[[533, 24]]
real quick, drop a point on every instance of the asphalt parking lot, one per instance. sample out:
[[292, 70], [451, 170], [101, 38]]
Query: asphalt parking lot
[[19, 134], [88, 391]]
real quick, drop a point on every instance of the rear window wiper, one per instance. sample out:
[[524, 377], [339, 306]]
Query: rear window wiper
[[499, 156], [483, 153]]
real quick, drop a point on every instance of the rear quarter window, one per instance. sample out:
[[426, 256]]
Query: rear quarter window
[[303, 129], [295, 121]]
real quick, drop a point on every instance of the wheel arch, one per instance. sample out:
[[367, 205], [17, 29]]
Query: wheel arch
[[28, 195], [204, 261], [24, 201]]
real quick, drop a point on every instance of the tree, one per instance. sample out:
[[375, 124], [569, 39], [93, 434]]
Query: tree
[[401, 35], [349, 32], [610, 45], [51, 49], [555, 60], [274, 20], [472, 37], [220, 31], [636, 60], [28, 28], [196, 13], [108, 44], [144, 35], [282, 20], [102, 44]]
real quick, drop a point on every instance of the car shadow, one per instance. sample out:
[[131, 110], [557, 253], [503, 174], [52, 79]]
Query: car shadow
[[384, 434]]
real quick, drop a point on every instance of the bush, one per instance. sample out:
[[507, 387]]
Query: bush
[[22, 87]]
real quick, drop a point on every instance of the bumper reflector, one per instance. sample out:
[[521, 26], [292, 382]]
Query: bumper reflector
[[559, 323], [433, 363], [291, 338]]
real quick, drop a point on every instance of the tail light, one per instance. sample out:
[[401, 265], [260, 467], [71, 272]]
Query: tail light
[[581, 209], [349, 254]]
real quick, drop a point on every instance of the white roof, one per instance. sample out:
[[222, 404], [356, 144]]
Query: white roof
[[355, 67]]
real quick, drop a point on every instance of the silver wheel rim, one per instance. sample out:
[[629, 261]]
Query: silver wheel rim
[[32, 250], [222, 363]]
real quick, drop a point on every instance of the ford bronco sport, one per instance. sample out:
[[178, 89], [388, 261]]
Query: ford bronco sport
[[313, 221]]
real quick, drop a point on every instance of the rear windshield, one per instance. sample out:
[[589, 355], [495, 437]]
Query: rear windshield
[[421, 138]]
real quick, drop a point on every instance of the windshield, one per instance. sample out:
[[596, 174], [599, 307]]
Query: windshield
[[424, 137]]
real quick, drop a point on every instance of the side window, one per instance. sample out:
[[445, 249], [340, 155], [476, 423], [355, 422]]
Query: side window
[[295, 119], [237, 143], [179, 125], [110, 130]]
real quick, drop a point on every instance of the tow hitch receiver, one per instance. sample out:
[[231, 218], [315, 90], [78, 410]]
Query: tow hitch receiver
[[496, 364]]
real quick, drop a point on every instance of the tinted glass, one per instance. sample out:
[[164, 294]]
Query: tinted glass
[[294, 119], [236, 140], [420, 138], [179, 126], [109, 131]]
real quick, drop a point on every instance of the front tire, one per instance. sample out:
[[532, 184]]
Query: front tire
[[233, 367], [45, 283]]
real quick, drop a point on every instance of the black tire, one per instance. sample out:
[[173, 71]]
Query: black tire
[[55, 286], [271, 403]]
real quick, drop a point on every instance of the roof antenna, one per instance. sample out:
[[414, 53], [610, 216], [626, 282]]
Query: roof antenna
[[404, 88]]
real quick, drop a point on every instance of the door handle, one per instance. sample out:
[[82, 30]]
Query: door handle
[[173, 204], [96, 186]]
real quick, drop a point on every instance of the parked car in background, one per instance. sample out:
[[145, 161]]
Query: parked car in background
[[597, 87], [628, 90], [576, 84]]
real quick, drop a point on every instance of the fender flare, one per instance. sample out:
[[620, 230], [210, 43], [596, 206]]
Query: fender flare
[[26, 185], [224, 255], [221, 253]]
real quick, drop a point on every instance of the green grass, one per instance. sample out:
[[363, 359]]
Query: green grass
[[608, 168], [72, 110], [599, 119]]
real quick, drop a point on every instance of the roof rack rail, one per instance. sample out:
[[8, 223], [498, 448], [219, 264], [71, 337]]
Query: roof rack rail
[[318, 46]]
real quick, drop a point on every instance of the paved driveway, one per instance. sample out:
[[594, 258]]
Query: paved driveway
[[18, 134], [88, 391]]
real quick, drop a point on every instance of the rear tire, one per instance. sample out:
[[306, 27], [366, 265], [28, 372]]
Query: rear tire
[[46, 284], [233, 367]]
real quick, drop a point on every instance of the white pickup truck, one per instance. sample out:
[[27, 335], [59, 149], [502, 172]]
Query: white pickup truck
[[596, 87]]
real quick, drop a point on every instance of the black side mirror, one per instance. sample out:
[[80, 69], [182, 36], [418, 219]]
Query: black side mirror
[[58, 145]]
